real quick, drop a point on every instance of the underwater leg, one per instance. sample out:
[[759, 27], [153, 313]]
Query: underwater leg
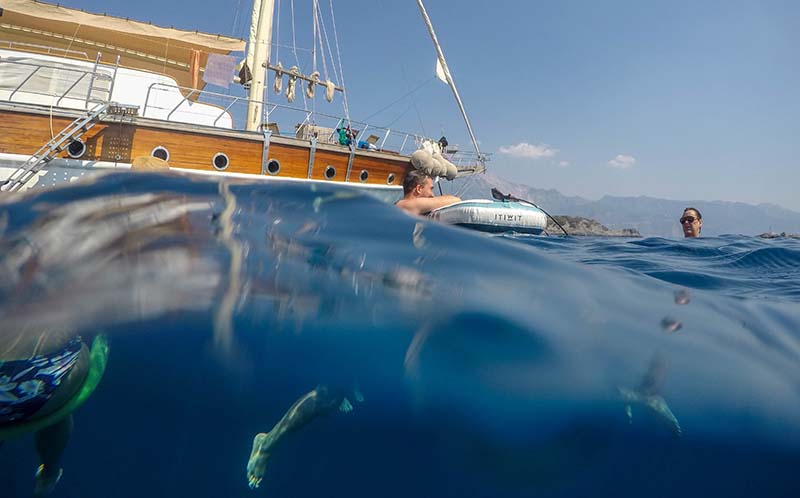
[[50, 444], [319, 401]]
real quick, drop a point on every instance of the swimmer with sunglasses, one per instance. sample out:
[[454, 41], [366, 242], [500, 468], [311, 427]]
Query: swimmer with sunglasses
[[691, 222]]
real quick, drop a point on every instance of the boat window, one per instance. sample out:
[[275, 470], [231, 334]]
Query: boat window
[[330, 172], [220, 161], [273, 167], [390, 179], [76, 149], [160, 152], [363, 176]]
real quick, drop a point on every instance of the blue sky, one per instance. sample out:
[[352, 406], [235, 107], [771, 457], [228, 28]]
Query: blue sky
[[690, 100]]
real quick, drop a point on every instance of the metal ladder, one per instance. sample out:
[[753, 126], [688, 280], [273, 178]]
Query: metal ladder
[[97, 76], [48, 151]]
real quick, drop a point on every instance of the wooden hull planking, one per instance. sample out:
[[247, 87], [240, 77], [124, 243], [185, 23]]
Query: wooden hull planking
[[194, 147]]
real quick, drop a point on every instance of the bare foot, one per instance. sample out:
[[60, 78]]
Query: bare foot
[[258, 460], [46, 481]]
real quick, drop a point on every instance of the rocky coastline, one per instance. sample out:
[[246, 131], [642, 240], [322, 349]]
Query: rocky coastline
[[586, 227], [782, 235]]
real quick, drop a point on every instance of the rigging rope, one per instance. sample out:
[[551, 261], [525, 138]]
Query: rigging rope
[[399, 99], [277, 39], [310, 88], [323, 36], [467, 183], [315, 8], [236, 12], [296, 58], [341, 72], [413, 101], [399, 116], [330, 86]]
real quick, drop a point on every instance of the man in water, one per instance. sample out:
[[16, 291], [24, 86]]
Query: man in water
[[418, 195], [691, 222]]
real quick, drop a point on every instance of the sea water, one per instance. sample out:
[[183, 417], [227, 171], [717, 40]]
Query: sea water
[[476, 365]]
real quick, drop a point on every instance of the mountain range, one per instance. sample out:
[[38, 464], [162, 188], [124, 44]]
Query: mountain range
[[650, 216]]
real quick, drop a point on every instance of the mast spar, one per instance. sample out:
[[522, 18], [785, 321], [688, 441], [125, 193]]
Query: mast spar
[[449, 78], [258, 58]]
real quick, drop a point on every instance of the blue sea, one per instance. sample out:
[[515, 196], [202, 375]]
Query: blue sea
[[476, 365]]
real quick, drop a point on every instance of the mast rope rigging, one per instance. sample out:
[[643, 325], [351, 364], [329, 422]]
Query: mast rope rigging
[[399, 116], [315, 25], [323, 37], [236, 12], [277, 40], [418, 87], [341, 72], [296, 58], [315, 22], [416, 109], [330, 85]]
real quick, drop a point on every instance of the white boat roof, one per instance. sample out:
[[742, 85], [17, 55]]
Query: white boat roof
[[140, 45]]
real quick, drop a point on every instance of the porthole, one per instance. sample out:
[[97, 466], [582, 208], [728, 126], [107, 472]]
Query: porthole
[[76, 149], [363, 176], [273, 167], [160, 152], [220, 161], [330, 172], [390, 179]]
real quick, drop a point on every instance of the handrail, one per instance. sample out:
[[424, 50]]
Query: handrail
[[192, 92], [226, 103], [235, 100], [36, 67], [308, 115], [70, 89], [23, 82]]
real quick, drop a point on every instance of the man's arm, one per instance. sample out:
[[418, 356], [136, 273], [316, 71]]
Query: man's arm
[[424, 205]]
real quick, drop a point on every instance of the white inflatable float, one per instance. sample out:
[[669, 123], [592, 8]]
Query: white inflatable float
[[494, 216]]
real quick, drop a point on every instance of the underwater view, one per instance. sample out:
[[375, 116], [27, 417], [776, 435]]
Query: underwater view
[[289, 339]]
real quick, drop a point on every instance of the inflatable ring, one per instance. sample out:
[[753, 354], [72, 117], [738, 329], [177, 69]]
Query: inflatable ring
[[98, 359], [493, 216]]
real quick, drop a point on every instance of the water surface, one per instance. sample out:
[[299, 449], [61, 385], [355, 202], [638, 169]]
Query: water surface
[[489, 366]]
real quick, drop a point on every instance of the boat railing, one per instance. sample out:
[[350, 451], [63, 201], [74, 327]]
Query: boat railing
[[54, 84], [304, 123]]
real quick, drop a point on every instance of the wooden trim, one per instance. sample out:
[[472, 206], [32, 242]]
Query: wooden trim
[[122, 141]]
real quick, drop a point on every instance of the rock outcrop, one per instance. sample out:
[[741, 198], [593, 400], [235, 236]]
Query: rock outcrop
[[782, 235], [575, 225]]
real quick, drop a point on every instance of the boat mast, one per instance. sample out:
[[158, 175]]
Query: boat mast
[[449, 78], [258, 58]]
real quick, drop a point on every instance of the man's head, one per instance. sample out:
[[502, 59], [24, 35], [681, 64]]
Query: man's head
[[417, 184], [691, 222]]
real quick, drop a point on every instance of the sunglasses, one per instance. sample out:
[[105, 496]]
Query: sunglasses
[[688, 219]]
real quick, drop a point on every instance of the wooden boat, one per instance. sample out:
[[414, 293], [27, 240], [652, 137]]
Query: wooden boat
[[81, 92]]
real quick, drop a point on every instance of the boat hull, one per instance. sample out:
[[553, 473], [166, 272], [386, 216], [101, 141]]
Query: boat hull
[[115, 141]]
